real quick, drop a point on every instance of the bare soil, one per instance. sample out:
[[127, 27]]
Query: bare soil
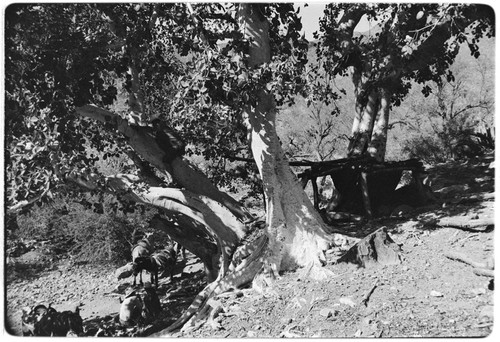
[[426, 295]]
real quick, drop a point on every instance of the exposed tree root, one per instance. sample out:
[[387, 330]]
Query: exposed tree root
[[242, 274], [316, 272]]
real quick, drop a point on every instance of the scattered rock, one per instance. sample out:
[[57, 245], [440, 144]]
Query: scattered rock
[[478, 291], [486, 314], [286, 320], [327, 312], [347, 301]]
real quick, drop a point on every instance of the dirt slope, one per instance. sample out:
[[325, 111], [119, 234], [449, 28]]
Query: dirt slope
[[427, 295]]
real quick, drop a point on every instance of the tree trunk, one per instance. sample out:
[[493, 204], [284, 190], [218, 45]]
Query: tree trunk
[[378, 142], [366, 110], [295, 230]]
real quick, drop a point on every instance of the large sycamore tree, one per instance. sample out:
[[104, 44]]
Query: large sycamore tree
[[202, 79], [408, 43]]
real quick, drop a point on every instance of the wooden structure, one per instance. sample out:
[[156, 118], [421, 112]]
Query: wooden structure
[[366, 185]]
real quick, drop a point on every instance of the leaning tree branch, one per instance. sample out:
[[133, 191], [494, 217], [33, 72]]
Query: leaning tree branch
[[216, 219], [145, 169], [144, 141]]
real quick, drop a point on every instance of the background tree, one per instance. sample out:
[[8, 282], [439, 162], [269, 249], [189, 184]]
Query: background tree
[[413, 42]]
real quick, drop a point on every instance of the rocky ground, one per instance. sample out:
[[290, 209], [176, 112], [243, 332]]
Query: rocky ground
[[428, 294]]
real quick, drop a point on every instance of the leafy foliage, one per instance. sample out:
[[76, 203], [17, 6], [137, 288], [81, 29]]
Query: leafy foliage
[[191, 70], [413, 42]]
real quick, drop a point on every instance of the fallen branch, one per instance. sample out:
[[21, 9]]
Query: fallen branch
[[366, 297], [467, 224], [484, 272], [464, 259]]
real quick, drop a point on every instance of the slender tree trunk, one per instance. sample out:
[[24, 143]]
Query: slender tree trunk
[[378, 143], [295, 230], [366, 110]]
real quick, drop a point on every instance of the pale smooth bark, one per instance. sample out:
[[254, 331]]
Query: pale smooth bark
[[295, 230], [378, 143], [363, 123], [142, 140], [205, 215]]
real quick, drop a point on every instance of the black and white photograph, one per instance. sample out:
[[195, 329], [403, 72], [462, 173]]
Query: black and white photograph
[[248, 169]]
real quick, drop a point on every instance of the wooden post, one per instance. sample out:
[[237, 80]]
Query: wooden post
[[365, 194], [420, 188], [315, 193], [304, 180]]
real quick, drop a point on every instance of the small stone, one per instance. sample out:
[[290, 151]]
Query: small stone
[[286, 320], [478, 291], [436, 294], [325, 312], [347, 301], [486, 314]]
